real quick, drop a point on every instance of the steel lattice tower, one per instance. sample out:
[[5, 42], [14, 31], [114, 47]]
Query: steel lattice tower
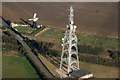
[[69, 46]]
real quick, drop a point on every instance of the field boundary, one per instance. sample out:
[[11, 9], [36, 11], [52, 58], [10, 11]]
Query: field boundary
[[49, 65], [42, 31]]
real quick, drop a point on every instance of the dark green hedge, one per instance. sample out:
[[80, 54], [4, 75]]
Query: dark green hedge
[[44, 48], [38, 30], [89, 49], [11, 44]]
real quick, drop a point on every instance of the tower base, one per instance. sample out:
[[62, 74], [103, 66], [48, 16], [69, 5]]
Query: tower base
[[81, 74], [78, 74], [62, 73]]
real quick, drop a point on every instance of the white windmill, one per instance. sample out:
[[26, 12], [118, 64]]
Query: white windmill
[[34, 19]]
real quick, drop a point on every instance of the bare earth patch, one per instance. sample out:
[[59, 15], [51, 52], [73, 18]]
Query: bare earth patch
[[11, 53]]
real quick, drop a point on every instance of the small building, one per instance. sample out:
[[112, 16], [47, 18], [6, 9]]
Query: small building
[[13, 24], [81, 74]]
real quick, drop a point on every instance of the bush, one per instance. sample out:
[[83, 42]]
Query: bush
[[89, 49]]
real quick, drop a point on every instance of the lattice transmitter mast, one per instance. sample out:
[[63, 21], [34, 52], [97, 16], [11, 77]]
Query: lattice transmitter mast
[[69, 46]]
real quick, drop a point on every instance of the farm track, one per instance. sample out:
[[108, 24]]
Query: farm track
[[41, 31]]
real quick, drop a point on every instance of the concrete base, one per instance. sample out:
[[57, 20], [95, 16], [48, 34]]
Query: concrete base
[[78, 74], [62, 73], [81, 74]]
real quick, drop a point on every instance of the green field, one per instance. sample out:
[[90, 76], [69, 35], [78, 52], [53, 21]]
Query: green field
[[17, 67], [100, 71], [27, 30], [98, 40], [55, 35]]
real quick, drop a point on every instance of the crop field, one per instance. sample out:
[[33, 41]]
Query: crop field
[[17, 67]]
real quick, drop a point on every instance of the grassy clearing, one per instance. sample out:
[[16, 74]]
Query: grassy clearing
[[25, 29], [42, 31], [97, 40], [52, 36], [53, 33], [37, 30], [17, 67]]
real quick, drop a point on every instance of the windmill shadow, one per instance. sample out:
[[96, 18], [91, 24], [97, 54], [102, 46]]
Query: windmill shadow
[[8, 22], [26, 22]]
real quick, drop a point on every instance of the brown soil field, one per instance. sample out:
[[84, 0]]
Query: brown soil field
[[90, 17]]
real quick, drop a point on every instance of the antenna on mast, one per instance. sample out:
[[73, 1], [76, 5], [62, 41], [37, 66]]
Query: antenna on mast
[[70, 53]]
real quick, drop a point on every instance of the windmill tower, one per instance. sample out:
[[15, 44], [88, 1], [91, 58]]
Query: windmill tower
[[69, 46], [34, 19]]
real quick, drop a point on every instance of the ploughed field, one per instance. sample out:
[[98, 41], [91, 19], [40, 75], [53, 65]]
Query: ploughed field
[[93, 17]]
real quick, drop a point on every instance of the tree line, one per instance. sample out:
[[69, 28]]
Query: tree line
[[41, 47], [11, 44], [89, 49]]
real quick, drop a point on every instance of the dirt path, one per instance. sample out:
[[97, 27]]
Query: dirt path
[[42, 31]]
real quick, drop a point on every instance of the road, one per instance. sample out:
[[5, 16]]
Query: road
[[33, 58]]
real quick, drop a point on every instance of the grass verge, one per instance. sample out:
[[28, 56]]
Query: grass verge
[[17, 67]]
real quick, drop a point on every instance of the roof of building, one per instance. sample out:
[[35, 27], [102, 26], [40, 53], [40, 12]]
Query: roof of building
[[79, 73]]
